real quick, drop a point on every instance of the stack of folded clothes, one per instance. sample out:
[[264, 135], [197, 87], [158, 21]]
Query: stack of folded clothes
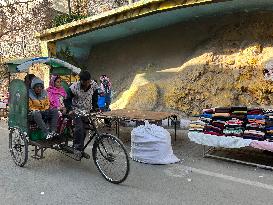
[[219, 118], [238, 112], [234, 127], [197, 126], [255, 127], [268, 124], [255, 123]]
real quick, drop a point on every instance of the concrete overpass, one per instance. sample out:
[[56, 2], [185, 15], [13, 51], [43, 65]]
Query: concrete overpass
[[81, 36]]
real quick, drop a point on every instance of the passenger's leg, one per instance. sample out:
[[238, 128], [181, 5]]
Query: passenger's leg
[[79, 134], [53, 119], [37, 116]]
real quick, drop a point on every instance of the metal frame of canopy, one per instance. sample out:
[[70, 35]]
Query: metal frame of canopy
[[57, 66]]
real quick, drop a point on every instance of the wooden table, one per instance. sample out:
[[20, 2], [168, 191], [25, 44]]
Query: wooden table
[[138, 115]]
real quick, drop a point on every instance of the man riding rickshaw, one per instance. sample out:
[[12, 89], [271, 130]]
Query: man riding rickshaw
[[34, 121]]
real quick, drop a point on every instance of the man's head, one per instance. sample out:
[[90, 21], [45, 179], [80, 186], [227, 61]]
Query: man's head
[[28, 79], [85, 79]]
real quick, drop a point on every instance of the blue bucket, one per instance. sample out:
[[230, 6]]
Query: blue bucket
[[101, 102]]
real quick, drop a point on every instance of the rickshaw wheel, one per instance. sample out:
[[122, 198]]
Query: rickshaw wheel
[[18, 146], [111, 158]]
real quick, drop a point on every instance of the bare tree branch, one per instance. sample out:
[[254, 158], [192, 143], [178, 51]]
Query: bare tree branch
[[19, 20]]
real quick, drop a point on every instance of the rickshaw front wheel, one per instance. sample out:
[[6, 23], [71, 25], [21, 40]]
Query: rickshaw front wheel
[[18, 146], [111, 158]]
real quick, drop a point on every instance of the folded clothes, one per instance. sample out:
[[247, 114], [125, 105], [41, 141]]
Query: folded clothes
[[253, 137], [219, 121], [239, 112], [208, 111], [205, 120], [255, 111], [269, 123], [196, 130], [233, 135], [198, 122], [220, 118], [213, 133], [222, 110], [255, 129], [221, 114], [267, 111], [206, 115], [230, 127], [257, 117], [234, 121], [197, 126], [212, 128], [218, 124], [261, 122], [251, 127], [238, 108], [254, 132], [269, 132], [238, 116], [238, 131], [268, 137], [269, 128]]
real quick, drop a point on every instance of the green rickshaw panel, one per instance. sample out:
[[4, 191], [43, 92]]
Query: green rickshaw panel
[[18, 105]]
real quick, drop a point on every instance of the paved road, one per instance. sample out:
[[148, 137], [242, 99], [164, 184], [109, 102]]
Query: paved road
[[193, 181]]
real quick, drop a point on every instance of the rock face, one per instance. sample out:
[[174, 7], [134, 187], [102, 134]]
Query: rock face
[[225, 70]]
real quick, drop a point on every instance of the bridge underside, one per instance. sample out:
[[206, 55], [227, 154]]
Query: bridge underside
[[81, 36]]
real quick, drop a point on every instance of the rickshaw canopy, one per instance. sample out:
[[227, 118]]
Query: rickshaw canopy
[[58, 66]]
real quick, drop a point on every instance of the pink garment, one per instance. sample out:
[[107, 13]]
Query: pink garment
[[102, 78], [55, 94], [264, 145]]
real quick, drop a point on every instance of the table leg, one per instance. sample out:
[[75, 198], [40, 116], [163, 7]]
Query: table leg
[[116, 121], [118, 127], [175, 121]]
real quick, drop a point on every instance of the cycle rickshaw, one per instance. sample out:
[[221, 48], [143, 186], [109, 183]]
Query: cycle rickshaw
[[108, 152]]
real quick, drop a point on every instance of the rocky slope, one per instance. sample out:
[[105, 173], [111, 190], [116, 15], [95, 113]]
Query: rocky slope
[[225, 70]]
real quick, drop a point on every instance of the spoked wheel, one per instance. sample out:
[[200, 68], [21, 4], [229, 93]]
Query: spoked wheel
[[111, 158], [18, 146]]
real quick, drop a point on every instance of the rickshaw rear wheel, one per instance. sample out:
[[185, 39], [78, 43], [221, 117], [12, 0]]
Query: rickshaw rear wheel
[[18, 147], [111, 158]]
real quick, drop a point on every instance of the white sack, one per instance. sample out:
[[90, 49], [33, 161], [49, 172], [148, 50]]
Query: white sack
[[152, 144]]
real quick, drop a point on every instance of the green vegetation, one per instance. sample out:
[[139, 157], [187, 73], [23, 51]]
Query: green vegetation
[[66, 18]]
